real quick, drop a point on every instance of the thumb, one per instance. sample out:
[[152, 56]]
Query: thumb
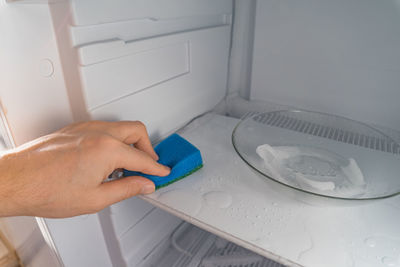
[[124, 188]]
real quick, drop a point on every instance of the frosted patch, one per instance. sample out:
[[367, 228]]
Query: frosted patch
[[313, 169]]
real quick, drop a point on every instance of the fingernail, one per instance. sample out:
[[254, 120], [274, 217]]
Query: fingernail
[[164, 167], [168, 169], [148, 189]]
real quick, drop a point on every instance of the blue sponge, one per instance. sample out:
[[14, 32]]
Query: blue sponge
[[175, 152]]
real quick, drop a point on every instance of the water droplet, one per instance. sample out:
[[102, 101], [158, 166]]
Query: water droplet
[[274, 204], [388, 261], [218, 198], [370, 242]]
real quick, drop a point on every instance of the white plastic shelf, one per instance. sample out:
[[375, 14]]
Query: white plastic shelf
[[227, 198]]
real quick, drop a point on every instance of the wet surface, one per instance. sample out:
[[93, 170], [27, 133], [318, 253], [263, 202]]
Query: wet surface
[[228, 198]]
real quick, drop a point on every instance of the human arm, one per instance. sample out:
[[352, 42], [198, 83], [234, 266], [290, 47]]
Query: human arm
[[62, 174]]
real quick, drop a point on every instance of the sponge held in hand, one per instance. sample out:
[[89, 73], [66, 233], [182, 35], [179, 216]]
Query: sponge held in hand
[[177, 153]]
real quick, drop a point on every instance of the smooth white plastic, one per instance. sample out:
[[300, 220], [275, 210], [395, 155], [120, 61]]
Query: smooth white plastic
[[94, 12], [336, 57], [28, 42], [143, 28]]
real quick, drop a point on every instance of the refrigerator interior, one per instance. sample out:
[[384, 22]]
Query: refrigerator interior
[[168, 62]]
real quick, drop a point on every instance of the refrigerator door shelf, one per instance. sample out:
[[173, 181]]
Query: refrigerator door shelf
[[227, 198]]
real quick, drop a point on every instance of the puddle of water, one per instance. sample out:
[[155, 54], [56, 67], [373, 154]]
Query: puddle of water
[[313, 169], [185, 201], [218, 199]]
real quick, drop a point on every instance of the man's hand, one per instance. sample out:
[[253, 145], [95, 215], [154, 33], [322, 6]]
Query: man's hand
[[62, 174]]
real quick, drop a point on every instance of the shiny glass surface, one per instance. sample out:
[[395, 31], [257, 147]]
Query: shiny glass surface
[[320, 154]]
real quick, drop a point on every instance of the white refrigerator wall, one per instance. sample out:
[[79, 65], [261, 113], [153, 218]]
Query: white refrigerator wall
[[32, 89], [339, 57]]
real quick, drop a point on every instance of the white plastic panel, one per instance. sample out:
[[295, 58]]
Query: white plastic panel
[[110, 79], [241, 56], [228, 198], [340, 57], [32, 89], [32, 1], [146, 235], [79, 241], [89, 12], [126, 214], [170, 90], [133, 228], [142, 28]]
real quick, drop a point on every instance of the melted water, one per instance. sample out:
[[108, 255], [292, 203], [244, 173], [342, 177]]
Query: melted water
[[179, 200], [370, 242], [218, 199], [383, 250], [388, 261], [313, 169]]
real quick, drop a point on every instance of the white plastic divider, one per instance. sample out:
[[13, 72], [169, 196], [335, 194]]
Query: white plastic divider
[[93, 12], [142, 28]]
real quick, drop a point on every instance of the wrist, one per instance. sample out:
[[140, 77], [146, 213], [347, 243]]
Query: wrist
[[8, 205]]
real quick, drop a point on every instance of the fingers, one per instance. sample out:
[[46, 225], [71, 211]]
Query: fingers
[[129, 132], [115, 191], [133, 132], [133, 159]]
